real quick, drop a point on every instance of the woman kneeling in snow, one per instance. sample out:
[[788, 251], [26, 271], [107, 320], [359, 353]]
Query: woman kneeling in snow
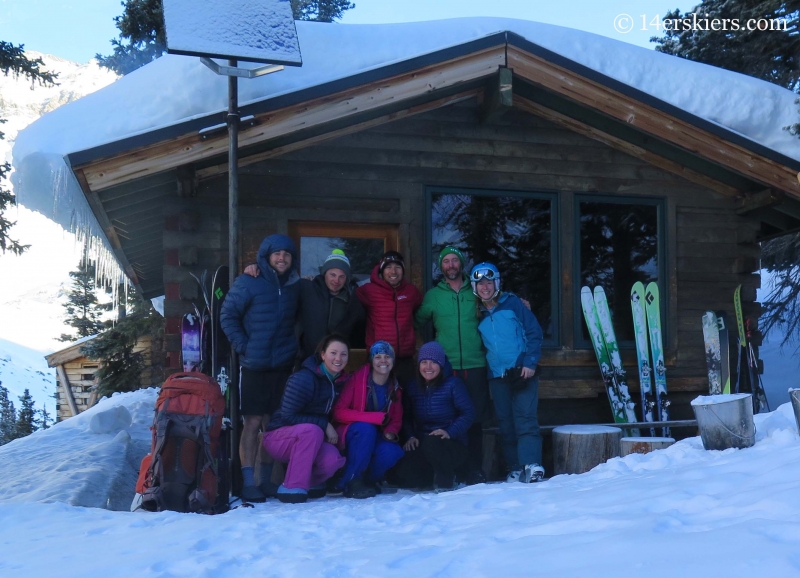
[[299, 432], [368, 416], [438, 414]]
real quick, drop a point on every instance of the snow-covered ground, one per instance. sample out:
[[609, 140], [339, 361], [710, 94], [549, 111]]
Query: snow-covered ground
[[677, 512]]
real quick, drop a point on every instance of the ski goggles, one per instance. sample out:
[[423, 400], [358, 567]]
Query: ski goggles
[[479, 274]]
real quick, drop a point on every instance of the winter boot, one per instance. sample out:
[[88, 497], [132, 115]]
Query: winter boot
[[359, 490], [292, 495], [443, 483], [267, 487], [252, 494], [475, 477], [531, 473], [513, 475], [319, 491]]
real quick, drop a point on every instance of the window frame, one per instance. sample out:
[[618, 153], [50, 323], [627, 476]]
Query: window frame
[[555, 341], [663, 258]]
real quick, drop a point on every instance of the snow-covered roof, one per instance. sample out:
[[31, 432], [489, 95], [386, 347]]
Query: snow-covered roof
[[68, 353], [174, 89]]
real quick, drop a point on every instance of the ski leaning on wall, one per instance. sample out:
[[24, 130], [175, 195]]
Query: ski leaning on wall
[[747, 361], [642, 354], [713, 352], [653, 311], [724, 351], [205, 324], [190, 342], [605, 346]]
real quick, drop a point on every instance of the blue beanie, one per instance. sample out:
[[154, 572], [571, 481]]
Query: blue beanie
[[432, 351], [381, 347]]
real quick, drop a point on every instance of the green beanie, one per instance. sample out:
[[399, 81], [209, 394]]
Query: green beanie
[[447, 251]]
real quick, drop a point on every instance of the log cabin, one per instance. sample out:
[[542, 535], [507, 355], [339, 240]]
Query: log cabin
[[563, 174], [75, 374]]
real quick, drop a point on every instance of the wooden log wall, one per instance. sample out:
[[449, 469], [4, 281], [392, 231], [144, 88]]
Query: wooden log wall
[[380, 176]]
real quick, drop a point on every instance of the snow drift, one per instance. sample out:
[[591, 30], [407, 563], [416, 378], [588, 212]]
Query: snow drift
[[681, 511], [89, 460]]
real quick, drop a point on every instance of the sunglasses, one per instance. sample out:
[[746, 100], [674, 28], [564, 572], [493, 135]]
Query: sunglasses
[[479, 274]]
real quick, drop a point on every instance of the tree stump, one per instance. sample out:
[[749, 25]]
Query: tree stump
[[643, 445], [579, 448]]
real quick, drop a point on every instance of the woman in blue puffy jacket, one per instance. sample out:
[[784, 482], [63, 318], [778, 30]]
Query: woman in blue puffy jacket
[[436, 416], [513, 340]]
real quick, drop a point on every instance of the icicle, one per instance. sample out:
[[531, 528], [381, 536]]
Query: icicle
[[61, 199]]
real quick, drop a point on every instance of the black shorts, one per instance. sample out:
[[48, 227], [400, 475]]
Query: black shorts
[[260, 392]]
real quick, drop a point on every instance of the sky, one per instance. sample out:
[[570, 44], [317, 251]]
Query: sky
[[79, 29]]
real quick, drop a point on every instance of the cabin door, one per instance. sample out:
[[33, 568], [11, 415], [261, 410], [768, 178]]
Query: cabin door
[[362, 243]]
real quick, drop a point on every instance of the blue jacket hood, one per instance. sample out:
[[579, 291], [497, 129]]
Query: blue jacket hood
[[272, 244]]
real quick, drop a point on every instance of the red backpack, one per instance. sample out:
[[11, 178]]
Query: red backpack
[[182, 471]]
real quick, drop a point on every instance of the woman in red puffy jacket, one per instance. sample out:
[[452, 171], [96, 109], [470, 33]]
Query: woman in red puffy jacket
[[390, 302], [368, 416]]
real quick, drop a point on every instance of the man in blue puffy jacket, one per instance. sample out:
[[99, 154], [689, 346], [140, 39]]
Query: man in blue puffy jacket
[[258, 317]]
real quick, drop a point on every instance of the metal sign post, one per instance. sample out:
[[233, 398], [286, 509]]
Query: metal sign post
[[262, 32]]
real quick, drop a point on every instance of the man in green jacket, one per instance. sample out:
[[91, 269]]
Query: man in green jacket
[[450, 305]]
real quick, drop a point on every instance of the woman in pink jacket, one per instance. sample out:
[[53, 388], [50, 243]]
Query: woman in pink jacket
[[368, 416]]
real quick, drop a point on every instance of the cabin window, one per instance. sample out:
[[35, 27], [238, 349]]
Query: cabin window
[[619, 243], [513, 231]]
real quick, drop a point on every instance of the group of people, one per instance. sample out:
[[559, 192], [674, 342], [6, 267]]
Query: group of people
[[412, 418]]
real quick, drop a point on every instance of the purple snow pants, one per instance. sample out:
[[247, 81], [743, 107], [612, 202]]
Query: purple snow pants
[[311, 460]]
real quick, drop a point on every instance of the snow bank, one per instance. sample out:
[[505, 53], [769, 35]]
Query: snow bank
[[70, 463], [681, 511]]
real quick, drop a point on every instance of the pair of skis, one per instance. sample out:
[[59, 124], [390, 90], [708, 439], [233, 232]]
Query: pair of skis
[[646, 309], [206, 348], [604, 341], [747, 359]]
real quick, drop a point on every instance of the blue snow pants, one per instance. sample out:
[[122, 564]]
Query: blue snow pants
[[369, 455], [517, 414]]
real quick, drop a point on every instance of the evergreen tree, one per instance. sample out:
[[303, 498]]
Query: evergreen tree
[[143, 37], [44, 419], [772, 55], [8, 418], [781, 257], [82, 306], [120, 367], [13, 61], [26, 417], [320, 10]]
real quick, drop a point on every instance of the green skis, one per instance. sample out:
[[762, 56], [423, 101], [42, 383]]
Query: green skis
[[604, 341]]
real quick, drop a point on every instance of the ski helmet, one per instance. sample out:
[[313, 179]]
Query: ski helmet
[[485, 271]]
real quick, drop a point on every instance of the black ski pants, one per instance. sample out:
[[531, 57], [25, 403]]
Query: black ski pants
[[435, 457]]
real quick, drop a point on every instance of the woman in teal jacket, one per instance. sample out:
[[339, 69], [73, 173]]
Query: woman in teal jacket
[[513, 340]]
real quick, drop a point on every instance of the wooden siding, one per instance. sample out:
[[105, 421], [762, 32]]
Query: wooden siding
[[80, 374], [380, 176]]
